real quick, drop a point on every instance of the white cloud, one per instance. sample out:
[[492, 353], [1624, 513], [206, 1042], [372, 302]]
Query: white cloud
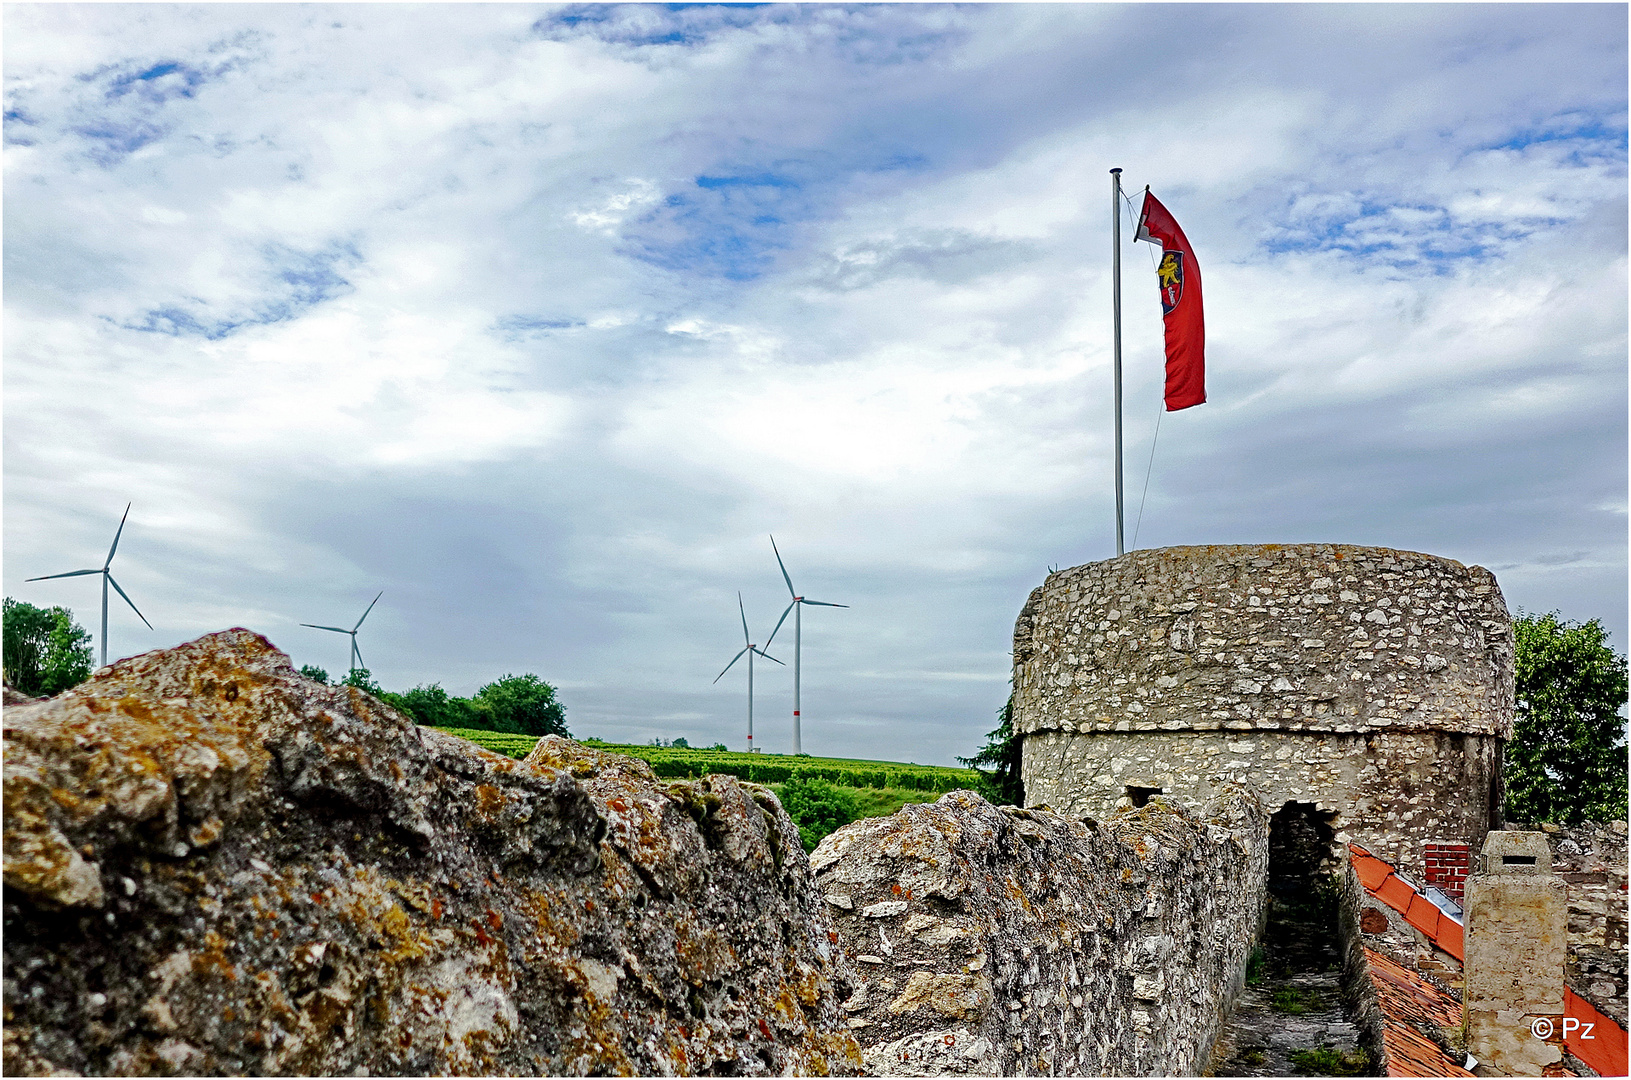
[[541, 320]]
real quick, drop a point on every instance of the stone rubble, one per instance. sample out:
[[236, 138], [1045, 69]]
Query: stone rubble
[[213, 865], [998, 940]]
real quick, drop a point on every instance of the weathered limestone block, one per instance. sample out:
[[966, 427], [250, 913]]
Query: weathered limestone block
[[213, 865], [996, 940]]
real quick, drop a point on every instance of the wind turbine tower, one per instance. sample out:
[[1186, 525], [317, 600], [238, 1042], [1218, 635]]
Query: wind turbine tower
[[107, 579], [751, 650], [797, 608], [356, 653]]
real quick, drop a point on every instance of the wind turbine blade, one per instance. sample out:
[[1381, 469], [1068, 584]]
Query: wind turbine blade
[[336, 629], [745, 639], [779, 622], [783, 565], [358, 650], [822, 603], [116, 536], [71, 573], [730, 665], [129, 601], [767, 656], [370, 608]]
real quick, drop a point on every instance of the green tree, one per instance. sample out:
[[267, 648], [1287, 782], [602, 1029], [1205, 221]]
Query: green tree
[[363, 680], [1566, 762], [313, 672], [817, 808], [45, 651], [434, 707], [522, 704], [998, 761]]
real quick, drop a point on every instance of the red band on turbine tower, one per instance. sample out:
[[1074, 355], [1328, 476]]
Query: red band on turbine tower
[[1179, 278]]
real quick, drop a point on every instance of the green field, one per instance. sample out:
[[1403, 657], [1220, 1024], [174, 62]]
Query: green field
[[675, 762]]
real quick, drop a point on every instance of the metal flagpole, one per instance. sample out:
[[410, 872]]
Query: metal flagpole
[[1115, 289]]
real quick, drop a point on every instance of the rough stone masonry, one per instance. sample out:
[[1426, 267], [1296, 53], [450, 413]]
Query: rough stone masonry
[[1004, 941], [1374, 684], [213, 865]]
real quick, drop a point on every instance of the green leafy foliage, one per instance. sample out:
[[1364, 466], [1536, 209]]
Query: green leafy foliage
[[45, 651], [313, 672], [817, 808], [1327, 1061], [433, 706], [522, 704], [1566, 760], [999, 761]]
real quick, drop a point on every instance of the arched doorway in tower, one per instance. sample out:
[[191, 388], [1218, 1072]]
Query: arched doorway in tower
[[1301, 929]]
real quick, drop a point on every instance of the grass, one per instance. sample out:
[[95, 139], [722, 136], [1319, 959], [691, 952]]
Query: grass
[[1328, 1062], [1255, 965], [1296, 1001], [923, 782], [879, 788], [881, 802]]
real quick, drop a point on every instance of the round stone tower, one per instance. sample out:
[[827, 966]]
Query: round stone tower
[[1370, 687]]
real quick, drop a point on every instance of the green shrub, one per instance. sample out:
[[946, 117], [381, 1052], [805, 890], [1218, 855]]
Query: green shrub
[[817, 808]]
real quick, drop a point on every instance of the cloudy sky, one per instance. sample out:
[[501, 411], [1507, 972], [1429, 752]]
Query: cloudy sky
[[543, 319]]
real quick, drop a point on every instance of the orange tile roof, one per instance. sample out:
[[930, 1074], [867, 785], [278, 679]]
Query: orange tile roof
[[1405, 995], [1409, 1002], [1451, 938], [1381, 882], [1605, 1051], [1372, 871], [1424, 915]]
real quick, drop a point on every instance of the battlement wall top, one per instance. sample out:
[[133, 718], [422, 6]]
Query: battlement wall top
[[1318, 637]]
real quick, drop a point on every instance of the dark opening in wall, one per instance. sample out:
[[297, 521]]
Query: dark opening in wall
[[1302, 848], [1141, 795], [1300, 932]]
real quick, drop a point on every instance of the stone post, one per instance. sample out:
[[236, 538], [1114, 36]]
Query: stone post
[[1516, 938]]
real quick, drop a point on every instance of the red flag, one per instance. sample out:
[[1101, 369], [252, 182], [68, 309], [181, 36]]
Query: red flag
[[1179, 278]]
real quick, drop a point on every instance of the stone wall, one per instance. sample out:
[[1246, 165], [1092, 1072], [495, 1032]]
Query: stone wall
[[1374, 682], [1591, 860], [1392, 791], [995, 940], [213, 865]]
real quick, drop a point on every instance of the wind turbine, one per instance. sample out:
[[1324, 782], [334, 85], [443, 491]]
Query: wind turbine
[[797, 607], [356, 653], [751, 649], [107, 579]]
